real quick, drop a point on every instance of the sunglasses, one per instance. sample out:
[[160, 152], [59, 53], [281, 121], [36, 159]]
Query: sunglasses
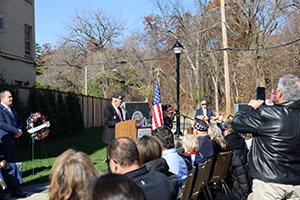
[[203, 104]]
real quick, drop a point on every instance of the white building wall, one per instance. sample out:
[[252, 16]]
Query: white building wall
[[14, 64]]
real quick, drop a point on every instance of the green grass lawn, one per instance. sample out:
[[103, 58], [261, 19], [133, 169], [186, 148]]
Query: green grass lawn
[[47, 150]]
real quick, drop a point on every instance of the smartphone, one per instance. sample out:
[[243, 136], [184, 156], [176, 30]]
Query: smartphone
[[261, 93]]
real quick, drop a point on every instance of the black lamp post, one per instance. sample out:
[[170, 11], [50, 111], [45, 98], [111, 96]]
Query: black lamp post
[[177, 50]]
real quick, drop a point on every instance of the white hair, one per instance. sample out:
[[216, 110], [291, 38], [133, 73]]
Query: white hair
[[289, 85]]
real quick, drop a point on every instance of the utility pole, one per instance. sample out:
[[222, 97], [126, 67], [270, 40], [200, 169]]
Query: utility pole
[[225, 57], [85, 81]]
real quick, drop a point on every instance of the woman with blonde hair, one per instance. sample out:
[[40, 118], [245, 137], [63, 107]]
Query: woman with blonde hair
[[70, 175], [191, 150], [217, 138]]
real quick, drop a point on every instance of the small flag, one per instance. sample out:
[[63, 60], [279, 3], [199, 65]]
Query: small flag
[[157, 116]]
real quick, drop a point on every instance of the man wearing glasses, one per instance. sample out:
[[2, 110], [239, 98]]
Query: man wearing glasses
[[274, 158], [203, 113]]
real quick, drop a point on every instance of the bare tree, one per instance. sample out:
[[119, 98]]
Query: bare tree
[[93, 30]]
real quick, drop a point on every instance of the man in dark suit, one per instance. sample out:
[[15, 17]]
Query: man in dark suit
[[203, 113], [112, 115], [10, 127]]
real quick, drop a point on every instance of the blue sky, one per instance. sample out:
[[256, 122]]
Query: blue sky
[[53, 16]]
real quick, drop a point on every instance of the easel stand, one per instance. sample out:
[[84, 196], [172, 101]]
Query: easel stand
[[32, 151], [32, 131]]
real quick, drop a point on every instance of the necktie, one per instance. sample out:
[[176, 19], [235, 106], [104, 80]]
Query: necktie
[[119, 114], [10, 111]]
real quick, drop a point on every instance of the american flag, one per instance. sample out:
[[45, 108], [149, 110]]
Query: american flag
[[157, 116]]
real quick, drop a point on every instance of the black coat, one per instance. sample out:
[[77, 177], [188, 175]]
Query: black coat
[[161, 165], [155, 185], [275, 153], [240, 184], [111, 118], [238, 179]]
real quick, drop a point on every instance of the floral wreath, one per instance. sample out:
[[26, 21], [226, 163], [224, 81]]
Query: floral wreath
[[37, 126]]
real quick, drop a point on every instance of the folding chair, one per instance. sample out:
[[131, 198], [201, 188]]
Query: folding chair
[[201, 179], [219, 174], [186, 188]]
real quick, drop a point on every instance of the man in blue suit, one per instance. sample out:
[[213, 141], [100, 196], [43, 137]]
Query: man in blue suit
[[10, 127], [203, 113]]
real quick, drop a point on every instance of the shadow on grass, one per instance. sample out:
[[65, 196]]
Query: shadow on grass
[[40, 179], [36, 170], [89, 141]]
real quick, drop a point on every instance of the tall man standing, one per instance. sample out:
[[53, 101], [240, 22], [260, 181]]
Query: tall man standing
[[10, 127], [112, 115], [274, 162]]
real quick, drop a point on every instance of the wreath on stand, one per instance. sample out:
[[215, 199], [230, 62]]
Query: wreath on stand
[[37, 126]]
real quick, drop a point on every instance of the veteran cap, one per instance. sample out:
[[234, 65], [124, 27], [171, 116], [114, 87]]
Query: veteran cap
[[118, 96], [200, 125]]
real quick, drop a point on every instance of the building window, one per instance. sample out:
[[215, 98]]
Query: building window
[[28, 40], [1, 23]]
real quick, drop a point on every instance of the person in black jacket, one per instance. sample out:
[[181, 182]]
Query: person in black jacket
[[237, 179], [150, 156], [112, 115], [274, 162], [123, 158]]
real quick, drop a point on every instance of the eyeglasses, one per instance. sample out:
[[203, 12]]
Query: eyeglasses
[[203, 104], [109, 159]]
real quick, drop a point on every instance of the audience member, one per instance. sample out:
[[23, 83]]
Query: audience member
[[218, 141], [70, 175], [206, 148], [274, 162], [150, 151], [191, 150], [176, 163], [11, 179], [203, 112], [237, 179], [114, 187], [123, 158]]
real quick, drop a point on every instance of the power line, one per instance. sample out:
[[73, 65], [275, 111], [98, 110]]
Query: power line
[[251, 49], [204, 52]]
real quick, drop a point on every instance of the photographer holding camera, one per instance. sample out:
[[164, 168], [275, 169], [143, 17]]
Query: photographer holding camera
[[274, 162]]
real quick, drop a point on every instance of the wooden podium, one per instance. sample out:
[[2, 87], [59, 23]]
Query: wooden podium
[[129, 129], [126, 129]]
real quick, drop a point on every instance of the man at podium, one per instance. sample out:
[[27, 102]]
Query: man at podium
[[112, 115]]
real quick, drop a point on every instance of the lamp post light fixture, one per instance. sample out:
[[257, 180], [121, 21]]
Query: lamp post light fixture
[[177, 48]]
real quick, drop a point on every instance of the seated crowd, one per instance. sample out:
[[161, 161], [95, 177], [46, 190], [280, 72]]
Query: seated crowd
[[150, 168], [157, 166]]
